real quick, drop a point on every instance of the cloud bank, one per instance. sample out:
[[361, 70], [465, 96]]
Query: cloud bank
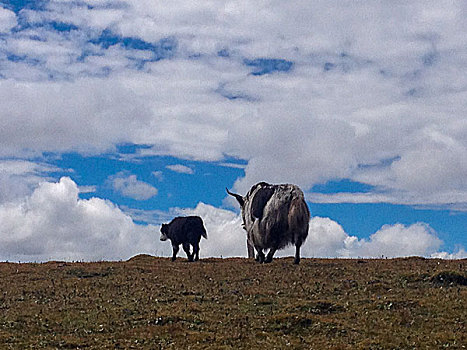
[[326, 239], [304, 93], [53, 223]]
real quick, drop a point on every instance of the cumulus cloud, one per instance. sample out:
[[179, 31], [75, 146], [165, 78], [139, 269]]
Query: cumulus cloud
[[327, 238], [395, 240], [53, 223], [459, 254], [129, 186], [179, 168]]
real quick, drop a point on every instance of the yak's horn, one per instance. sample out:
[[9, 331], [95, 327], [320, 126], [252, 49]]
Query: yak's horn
[[237, 196]]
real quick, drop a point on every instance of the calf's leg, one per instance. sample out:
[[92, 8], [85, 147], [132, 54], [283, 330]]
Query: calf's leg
[[186, 248], [175, 249], [196, 250]]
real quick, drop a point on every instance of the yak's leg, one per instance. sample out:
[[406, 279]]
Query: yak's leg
[[270, 255], [297, 253], [196, 251], [175, 248], [251, 250], [186, 248], [260, 257]]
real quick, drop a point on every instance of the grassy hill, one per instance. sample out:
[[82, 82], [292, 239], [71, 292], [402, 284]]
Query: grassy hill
[[153, 303]]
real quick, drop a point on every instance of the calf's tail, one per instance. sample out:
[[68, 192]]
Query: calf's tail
[[204, 233]]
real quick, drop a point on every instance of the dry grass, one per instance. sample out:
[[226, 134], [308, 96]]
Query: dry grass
[[152, 303]]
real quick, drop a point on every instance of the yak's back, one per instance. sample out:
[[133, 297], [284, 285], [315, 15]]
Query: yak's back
[[266, 197], [279, 213]]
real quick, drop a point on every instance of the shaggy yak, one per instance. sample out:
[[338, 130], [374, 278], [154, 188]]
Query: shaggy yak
[[185, 231], [274, 216]]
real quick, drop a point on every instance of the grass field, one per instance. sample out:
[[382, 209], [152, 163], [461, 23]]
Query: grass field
[[153, 303]]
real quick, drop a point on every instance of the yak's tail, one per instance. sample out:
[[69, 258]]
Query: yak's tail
[[299, 217]]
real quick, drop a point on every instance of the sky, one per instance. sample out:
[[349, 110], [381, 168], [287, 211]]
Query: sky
[[117, 116]]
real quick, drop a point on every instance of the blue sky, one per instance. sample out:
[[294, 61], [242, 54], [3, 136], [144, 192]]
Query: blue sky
[[118, 116]]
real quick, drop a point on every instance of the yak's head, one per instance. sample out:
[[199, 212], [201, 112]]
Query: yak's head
[[240, 201], [252, 205], [164, 232]]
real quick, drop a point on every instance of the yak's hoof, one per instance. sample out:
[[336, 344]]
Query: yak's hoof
[[296, 261]]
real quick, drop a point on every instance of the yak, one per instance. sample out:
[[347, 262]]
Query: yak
[[184, 230], [274, 216]]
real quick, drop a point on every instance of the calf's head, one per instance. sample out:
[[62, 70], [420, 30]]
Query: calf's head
[[164, 232]]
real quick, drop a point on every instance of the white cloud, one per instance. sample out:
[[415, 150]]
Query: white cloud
[[179, 168], [327, 238], [452, 200], [7, 20], [54, 224], [87, 189], [396, 240], [233, 165], [159, 175], [22, 167], [130, 186], [459, 254], [18, 178]]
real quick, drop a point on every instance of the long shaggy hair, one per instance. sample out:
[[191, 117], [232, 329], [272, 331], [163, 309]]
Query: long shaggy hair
[[274, 217]]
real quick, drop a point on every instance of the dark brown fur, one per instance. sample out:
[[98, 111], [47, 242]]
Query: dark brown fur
[[185, 231]]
